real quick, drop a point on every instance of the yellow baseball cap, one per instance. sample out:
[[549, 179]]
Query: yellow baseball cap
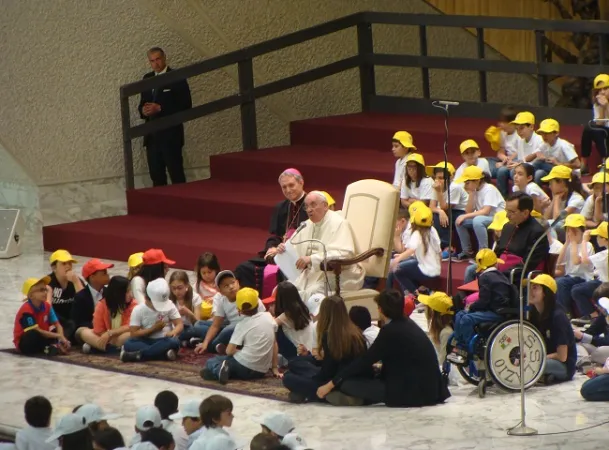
[[440, 165], [493, 137], [549, 126], [545, 280], [601, 81], [438, 301], [61, 256], [499, 220], [416, 205], [247, 296], [562, 172], [601, 231], [404, 138], [536, 214], [416, 157], [470, 173], [599, 178], [31, 282], [575, 221], [328, 198], [524, 118], [467, 144], [422, 217], [486, 258], [136, 259]]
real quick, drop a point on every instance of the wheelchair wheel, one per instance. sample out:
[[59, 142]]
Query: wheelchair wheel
[[470, 373], [482, 389], [503, 355]]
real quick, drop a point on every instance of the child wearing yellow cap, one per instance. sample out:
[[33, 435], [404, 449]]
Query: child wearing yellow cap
[[505, 143], [567, 192], [417, 185], [470, 152], [571, 269], [593, 206], [135, 263], [439, 314], [600, 110], [252, 350], [401, 146], [528, 144], [550, 319], [495, 292], [37, 329]]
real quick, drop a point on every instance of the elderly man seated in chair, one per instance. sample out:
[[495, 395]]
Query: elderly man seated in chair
[[334, 232]]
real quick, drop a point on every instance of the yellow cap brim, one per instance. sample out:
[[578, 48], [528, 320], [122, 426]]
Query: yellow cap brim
[[499, 261]]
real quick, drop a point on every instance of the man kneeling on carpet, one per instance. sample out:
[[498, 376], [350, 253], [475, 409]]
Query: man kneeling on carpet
[[252, 350], [154, 326]]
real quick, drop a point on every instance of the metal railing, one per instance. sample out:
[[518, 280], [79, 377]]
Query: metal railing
[[366, 60]]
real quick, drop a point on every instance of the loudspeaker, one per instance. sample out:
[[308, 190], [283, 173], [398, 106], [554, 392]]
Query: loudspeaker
[[12, 228]]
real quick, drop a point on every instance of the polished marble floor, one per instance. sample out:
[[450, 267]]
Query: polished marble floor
[[464, 422]]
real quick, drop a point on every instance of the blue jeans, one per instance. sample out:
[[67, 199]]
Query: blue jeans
[[596, 389], [557, 369], [470, 273], [152, 348], [542, 168], [408, 275], [194, 331], [479, 224], [492, 163], [301, 378], [582, 296], [223, 336], [504, 175], [237, 370], [563, 292], [466, 321], [444, 232]]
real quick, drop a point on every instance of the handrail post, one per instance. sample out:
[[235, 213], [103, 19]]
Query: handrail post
[[365, 49], [542, 80], [249, 133], [423, 52], [481, 74], [127, 144]]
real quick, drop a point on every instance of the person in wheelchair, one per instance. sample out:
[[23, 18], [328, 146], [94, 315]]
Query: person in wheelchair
[[551, 320], [495, 293]]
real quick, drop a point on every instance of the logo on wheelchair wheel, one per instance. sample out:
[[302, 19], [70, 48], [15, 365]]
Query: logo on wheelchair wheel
[[505, 341]]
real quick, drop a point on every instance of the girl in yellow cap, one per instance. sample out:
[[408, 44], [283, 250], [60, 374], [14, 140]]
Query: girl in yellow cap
[[439, 315], [551, 320], [523, 181], [567, 192], [593, 206], [600, 110], [417, 185]]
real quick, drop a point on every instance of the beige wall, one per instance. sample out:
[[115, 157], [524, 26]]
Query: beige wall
[[64, 60]]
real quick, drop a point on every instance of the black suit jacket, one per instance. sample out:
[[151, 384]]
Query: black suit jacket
[[519, 240], [83, 309], [173, 98], [411, 371]]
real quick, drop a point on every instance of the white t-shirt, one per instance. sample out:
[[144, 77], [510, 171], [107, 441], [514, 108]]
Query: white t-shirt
[[533, 189], [180, 437], [423, 192], [223, 307], [212, 438], [458, 196], [562, 150], [588, 208], [600, 111], [257, 336], [509, 142], [555, 247], [406, 234], [482, 163], [297, 337], [31, 438], [600, 265], [398, 175], [430, 263], [145, 317], [196, 304], [138, 290], [370, 334], [489, 195], [575, 201], [528, 148], [580, 270]]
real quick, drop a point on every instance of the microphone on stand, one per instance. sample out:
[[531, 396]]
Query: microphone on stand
[[447, 103], [302, 226]]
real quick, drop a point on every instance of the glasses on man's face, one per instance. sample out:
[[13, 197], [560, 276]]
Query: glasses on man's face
[[510, 212]]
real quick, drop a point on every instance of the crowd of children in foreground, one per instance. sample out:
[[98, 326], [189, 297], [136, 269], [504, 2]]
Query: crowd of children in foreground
[[195, 425]]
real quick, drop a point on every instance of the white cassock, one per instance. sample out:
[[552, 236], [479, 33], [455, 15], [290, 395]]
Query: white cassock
[[334, 231]]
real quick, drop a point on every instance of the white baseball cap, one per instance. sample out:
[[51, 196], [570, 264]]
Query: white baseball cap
[[314, 303], [603, 302], [147, 415], [279, 423], [158, 293], [68, 424], [294, 441], [93, 413], [188, 409], [144, 446]]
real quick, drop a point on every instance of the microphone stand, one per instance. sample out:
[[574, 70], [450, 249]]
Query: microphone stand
[[327, 282], [444, 107]]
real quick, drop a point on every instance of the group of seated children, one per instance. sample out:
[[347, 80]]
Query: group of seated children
[[196, 425]]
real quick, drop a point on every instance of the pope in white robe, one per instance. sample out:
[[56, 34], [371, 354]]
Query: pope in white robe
[[334, 231]]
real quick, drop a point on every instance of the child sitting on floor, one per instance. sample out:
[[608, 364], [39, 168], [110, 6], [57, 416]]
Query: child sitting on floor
[[188, 304], [281, 425], [295, 326], [216, 414], [32, 329], [34, 436], [361, 317], [252, 350], [439, 314], [167, 404], [401, 146], [206, 270]]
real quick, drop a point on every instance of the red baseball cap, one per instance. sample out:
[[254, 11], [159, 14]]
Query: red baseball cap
[[94, 265], [156, 256]]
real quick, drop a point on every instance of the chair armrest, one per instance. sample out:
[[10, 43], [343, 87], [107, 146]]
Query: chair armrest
[[336, 265]]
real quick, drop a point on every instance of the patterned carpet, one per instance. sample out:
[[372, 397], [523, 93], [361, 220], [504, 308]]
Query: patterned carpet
[[184, 370]]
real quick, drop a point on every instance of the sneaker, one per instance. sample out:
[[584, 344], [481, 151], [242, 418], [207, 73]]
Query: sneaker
[[129, 356], [171, 355], [446, 255], [224, 373], [51, 350], [193, 342], [337, 398], [463, 257], [86, 349], [221, 349], [581, 321], [455, 358], [295, 398]]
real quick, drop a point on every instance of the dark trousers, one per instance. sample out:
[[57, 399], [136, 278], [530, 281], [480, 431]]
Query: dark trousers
[[582, 296], [32, 342], [152, 348], [162, 158], [286, 347], [444, 232], [596, 389], [69, 329], [597, 136], [408, 275], [371, 390], [300, 378], [564, 296]]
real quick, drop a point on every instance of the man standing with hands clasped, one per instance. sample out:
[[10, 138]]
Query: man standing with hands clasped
[[164, 148]]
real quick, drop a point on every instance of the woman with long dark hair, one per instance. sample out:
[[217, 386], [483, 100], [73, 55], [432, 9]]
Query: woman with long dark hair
[[294, 321], [155, 265]]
